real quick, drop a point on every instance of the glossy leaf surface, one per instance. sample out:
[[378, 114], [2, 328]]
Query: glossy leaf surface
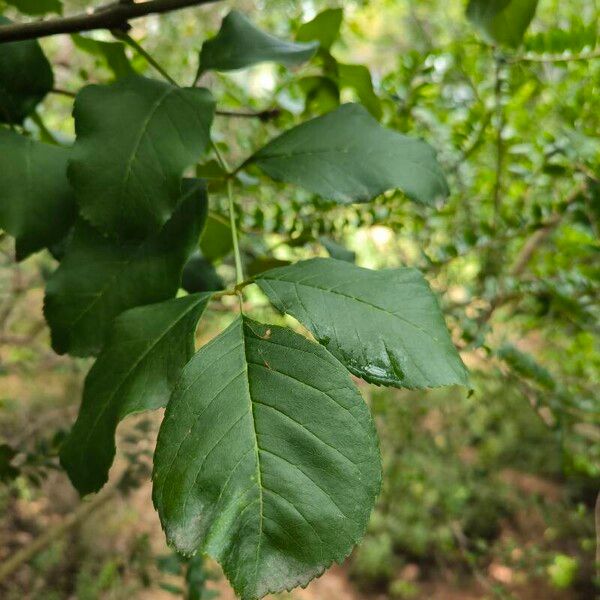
[[240, 44], [385, 326], [25, 78], [134, 140], [37, 205], [99, 278], [145, 351], [347, 156], [267, 459]]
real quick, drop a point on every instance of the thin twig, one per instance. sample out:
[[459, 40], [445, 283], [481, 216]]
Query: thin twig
[[263, 115], [112, 16]]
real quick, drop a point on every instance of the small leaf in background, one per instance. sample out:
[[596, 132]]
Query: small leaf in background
[[337, 251], [322, 94], [267, 459], [8, 472], [37, 205], [324, 28], [99, 278], [502, 22], [385, 326], [25, 78], [260, 264], [241, 44], [525, 365], [112, 54], [134, 140], [145, 351], [348, 157], [37, 7], [358, 78], [216, 241], [200, 275]]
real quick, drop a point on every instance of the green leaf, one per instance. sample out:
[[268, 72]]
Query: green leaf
[[385, 326], [267, 459], [25, 78], [358, 77], [134, 140], [502, 22], [37, 7], [526, 365], [37, 206], [347, 156], [240, 44], [337, 251], [324, 28], [145, 351], [99, 278], [199, 275], [216, 241], [111, 53]]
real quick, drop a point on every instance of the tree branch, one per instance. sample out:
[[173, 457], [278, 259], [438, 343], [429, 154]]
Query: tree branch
[[112, 16]]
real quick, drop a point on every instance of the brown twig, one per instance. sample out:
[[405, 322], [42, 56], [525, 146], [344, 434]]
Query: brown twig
[[112, 16]]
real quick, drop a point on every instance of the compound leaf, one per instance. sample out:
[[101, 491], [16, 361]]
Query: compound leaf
[[267, 459], [37, 206], [240, 44], [348, 157], [502, 21], [385, 326], [145, 351], [25, 78], [134, 140], [99, 278]]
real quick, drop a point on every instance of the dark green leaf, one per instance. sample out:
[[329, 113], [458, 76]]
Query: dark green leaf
[[25, 78], [502, 21], [324, 28], [347, 156], [134, 140], [526, 365], [37, 206], [8, 472], [37, 7], [385, 326], [199, 275], [264, 263], [241, 44], [216, 241], [267, 459], [145, 351], [99, 278], [111, 53]]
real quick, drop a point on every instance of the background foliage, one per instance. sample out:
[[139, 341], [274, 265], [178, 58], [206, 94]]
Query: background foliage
[[489, 494]]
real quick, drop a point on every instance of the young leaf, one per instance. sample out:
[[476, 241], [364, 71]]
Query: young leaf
[[25, 78], [324, 28], [385, 326], [37, 7], [145, 351], [111, 53], [502, 22], [134, 140], [37, 206], [99, 278], [267, 459], [347, 156], [241, 44], [216, 241]]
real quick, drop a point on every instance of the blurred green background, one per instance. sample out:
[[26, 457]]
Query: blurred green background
[[488, 493]]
